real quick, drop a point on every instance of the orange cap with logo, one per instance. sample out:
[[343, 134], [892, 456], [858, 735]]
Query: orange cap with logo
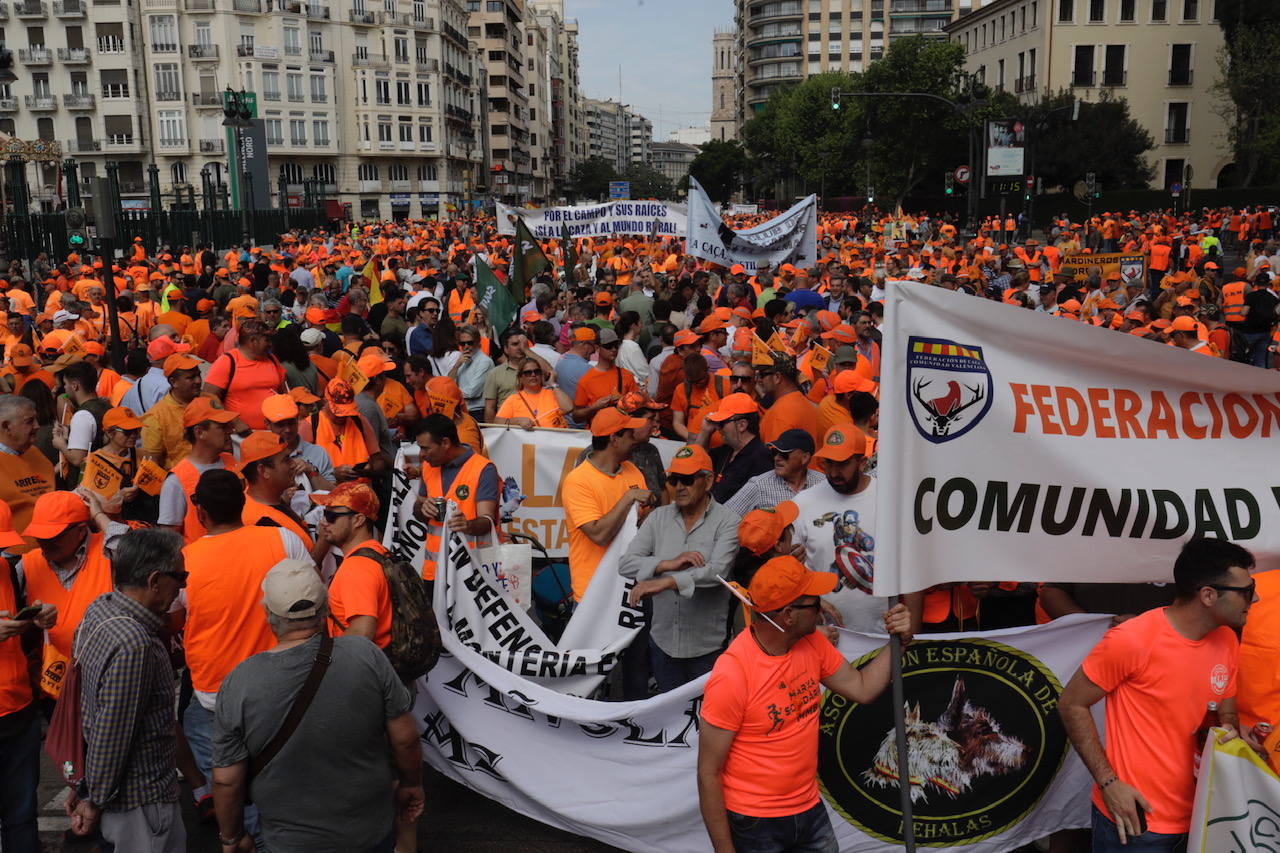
[[760, 529], [734, 405], [690, 459], [842, 442], [201, 409], [261, 444], [340, 398], [782, 580]]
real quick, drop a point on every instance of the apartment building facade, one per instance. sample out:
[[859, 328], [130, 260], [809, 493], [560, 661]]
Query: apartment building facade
[[1158, 55], [566, 144], [672, 159], [781, 42]]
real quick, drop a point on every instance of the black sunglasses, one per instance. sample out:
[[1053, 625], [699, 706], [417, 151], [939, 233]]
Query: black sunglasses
[[683, 479], [432, 310], [332, 515], [733, 379], [613, 345], [814, 606], [534, 372], [466, 343], [785, 454], [1246, 591], [179, 576]]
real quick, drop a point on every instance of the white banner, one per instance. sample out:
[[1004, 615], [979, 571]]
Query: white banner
[[1054, 450], [790, 237], [742, 209], [625, 772], [536, 461], [666, 219], [1237, 806]]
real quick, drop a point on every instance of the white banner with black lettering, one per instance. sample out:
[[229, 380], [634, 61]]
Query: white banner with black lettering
[[1057, 450], [663, 218], [996, 769], [788, 238]]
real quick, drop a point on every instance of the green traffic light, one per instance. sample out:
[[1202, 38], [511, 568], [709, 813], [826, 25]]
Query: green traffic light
[[75, 240], [950, 191]]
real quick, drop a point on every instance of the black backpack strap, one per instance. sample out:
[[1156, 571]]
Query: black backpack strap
[[300, 705]]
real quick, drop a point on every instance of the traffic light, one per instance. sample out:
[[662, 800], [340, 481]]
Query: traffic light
[[1028, 187], [235, 109], [871, 196], [835, 99], [77, 235], [949, 183]]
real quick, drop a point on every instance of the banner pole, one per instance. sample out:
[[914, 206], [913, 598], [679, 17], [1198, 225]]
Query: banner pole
[[900, 735]]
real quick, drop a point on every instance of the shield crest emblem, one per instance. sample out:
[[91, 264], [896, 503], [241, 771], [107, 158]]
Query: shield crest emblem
[[948, 387]]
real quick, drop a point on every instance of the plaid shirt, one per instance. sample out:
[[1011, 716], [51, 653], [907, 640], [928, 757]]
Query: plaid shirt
[[127, 705], [767, 490]]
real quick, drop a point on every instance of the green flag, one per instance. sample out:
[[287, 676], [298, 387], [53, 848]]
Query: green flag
[[494, 298], [569, 246], [526, 262]]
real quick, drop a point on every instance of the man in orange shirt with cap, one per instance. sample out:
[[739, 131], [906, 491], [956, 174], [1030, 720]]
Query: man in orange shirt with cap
[[598, 494], [604, 384], [269, 478], [208, 429], [758, 750], [163, 432]]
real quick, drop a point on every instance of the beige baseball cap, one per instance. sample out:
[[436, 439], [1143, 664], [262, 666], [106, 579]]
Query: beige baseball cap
[[293, 589]]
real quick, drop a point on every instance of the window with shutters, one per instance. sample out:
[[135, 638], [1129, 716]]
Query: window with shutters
[[164, 33]]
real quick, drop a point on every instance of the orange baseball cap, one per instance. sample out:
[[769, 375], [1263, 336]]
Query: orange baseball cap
[[162, 347], [737, 269], [372, 363], [633, 401], [711, 324], [530, 317], [690, 459], [121, 417], [760, 529], [55, 340], [94, 348], [782, 580], [180, 361], [612, 420], [9, 537], [355, 495], [1183, 324], [843, 333], [279, 407], [733, 405], [842, 442], [340, 398], [828, 320], [585, 333], [303, 396], [685, 338], [204, 305], [261, 444], [20, 355], [54, 512], [847, 381], [201, 409], [604, 297]]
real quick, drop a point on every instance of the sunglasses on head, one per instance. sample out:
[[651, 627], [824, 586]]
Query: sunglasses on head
[[332, 515], [683, 479]]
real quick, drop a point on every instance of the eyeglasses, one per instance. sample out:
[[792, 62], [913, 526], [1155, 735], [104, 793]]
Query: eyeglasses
[[271, 311], [432, 310], [761, 374], [534, 372], [332, 515], [683, 479], [1246, 591], [610, 346], [467, 343]]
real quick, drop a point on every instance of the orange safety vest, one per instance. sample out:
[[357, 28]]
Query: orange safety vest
[[15, 683], [460, 305], [1233, 301], [93, 579], [345, 448], [254, 510], [462, 492], [188, 476]]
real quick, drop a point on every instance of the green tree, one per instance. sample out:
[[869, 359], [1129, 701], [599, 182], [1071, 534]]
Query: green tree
[[1248, 78], [648, 182], [590, 178], [719, 167], [1104, 139]]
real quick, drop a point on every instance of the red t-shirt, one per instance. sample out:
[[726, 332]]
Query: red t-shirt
[[1158, 686], [771, 704]]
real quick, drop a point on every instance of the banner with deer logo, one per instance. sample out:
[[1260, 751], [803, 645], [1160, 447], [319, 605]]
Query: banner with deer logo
[[1018, 446]]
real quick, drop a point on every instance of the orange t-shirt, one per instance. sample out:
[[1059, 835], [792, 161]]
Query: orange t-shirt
[[790, 411], [359, 588], [254, 382], [588, 494], [543, 409], [771, 705], [225, 620], [1259, 699], [695, 410], [1158, 686], [596, 384], [830, 413]]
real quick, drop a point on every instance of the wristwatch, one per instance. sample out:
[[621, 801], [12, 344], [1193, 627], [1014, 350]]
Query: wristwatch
[[235, 839]]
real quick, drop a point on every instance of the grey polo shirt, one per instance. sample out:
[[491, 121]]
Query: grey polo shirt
[[693, 619]]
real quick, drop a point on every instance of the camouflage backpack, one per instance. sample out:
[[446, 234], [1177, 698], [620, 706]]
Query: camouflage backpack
[[415, 635]]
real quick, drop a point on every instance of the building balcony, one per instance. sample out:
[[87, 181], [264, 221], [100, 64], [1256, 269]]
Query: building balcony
[[111, 46], [79, 101], [82, 146], [318, 13], [427, 65], [372, 60], [919, 7], [457, 113], [372, 186], [422, 23], [273, 95], [68, 9], [74, 55], [296, 98], [1181, 77], [322, 56], [1177, 135], [361, 16], [40, 102], [1081, 78], [252, 6], [393, 19], [174, 144], [163, 95], [212, 146], [754, 61], [200, 5], [202, 51], [761, 38], [30, 9], [35, 55], [8, 105], [206, 99], [386, 145], [774, 12], [1024, 84], [451, 32], [164, 47]]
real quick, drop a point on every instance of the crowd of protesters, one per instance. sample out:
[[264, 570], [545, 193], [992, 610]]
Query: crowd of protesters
[[193, 488]]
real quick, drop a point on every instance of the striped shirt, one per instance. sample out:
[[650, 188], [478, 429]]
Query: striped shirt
[[767, 490], [127, 705]]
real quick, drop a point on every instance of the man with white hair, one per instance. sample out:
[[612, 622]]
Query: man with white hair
[[357, 733]]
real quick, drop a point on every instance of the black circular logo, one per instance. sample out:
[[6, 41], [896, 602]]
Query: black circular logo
[[984, 743]]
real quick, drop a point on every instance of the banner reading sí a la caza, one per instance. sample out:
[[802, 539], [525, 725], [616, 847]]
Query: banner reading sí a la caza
[[1022, 447]]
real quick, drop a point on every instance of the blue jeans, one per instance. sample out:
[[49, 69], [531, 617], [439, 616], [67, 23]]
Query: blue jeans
[[1106, 839], [197, 725], [671, 672], [19, 777], [807, 832], [1256, 348]]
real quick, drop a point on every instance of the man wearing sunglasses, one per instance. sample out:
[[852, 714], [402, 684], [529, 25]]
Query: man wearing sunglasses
[[421, 336], [604, 384], [742, 455], [1158, 672], [675, 559], [790, 474]]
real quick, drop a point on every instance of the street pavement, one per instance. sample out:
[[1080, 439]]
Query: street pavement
[[456, 819]]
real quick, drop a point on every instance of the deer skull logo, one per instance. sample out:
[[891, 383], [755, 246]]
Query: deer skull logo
[[949, 387]]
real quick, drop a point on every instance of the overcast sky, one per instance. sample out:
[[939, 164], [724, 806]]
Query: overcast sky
[[663, 48]]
